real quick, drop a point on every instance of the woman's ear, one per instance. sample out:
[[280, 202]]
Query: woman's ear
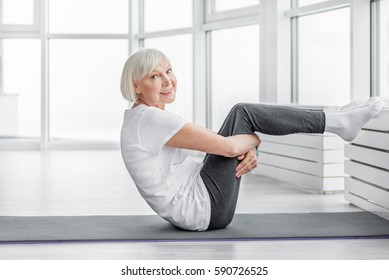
[[136, 87]]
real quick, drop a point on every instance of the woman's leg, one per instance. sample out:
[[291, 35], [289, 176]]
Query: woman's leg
[[218, 172]]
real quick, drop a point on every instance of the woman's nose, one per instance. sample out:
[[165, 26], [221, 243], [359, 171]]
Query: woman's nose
[[167, 81]]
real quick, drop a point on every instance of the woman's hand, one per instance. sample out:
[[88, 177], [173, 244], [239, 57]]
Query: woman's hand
[[248, 163]]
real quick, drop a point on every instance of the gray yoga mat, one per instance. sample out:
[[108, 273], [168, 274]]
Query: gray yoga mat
[[154, 228]]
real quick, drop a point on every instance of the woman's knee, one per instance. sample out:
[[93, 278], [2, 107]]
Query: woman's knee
[[240, 107]]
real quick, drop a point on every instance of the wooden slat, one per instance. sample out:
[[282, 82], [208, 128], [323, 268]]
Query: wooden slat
[[303, 166], [368, 156], [317, 141], [374, 139], [323, 156], [367, 173], [367, 191]]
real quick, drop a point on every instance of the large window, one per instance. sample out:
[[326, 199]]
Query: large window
[[78, 99], [324, 58], [20, 96], [85, 101], [60, 70], [84, 74], [20, 70], [235, 69]]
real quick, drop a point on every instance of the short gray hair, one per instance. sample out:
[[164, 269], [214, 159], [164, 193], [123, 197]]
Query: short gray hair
[[137, 67]]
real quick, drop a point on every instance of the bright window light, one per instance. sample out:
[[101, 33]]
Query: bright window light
[[235, 70], [324, 58], [85, 98], [17, 12], [167, 14], [22, 80], [88, 16], [224, 5], [309, 2]]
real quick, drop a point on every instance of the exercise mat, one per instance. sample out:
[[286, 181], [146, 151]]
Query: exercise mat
[[153, 228]]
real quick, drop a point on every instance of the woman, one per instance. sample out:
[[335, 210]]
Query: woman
[[154, 144]]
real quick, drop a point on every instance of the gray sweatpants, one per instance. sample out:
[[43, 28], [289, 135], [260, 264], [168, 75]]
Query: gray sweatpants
[[218, 172]]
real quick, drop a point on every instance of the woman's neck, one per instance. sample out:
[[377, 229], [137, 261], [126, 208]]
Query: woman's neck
[[140, 102]]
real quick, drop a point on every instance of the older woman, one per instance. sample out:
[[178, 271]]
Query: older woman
[[154, 144]]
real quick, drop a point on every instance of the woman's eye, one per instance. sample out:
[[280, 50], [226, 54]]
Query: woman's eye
[[154, 77], [169, 71]]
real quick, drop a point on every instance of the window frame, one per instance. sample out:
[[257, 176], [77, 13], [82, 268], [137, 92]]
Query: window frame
[[140, 35], [275, 54], [209, 69], [10, 31], [360, 43], [378, 85], [211, 15], [223, 20], [230, 18], [45, 143], [201, 57]]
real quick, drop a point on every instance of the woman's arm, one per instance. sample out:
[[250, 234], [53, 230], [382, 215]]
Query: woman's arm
[[194, 137]]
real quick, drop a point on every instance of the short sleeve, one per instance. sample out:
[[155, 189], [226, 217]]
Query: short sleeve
[[157, 127]]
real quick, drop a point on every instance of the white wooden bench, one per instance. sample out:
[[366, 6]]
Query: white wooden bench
[[313, 162], [368, 167]]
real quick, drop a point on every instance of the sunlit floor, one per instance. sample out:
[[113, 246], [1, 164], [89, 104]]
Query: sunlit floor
[[96, 183]]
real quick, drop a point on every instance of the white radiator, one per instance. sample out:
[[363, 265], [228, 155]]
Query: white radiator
[[368, 167], [313, 162]]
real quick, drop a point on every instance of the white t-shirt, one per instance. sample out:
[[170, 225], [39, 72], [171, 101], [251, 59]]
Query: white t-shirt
[[167, 178]]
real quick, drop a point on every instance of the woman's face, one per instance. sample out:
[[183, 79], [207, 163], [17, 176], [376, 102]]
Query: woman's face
[[159, 87]]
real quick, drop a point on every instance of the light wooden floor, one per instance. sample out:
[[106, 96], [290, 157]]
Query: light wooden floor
[[96, 183]]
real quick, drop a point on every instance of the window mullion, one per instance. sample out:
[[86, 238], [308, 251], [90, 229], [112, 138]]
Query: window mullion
[[360, 49], [44, 76], [1, 52], [295, 64], [375, 48], [199, 64]]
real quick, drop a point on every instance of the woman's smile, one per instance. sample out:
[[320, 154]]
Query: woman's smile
[[167, 92]]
